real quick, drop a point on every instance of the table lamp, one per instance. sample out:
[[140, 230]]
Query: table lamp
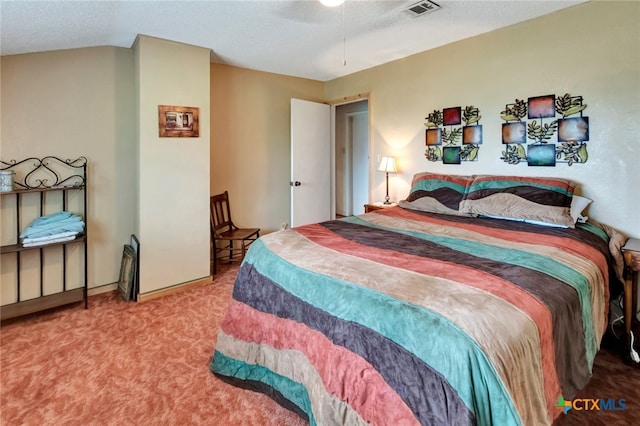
[[387, 165]]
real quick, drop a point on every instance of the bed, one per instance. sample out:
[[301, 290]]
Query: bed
[[435, 311]]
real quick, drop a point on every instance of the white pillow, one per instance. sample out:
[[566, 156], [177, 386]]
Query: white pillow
[[578, 204]]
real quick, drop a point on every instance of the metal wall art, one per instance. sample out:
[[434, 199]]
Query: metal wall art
[[457, 142], [529, 140]]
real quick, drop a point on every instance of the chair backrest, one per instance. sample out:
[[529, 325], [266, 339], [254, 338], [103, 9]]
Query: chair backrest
[[220, 213]]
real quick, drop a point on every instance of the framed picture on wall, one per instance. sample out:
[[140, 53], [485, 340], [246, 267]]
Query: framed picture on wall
[[178, 122]]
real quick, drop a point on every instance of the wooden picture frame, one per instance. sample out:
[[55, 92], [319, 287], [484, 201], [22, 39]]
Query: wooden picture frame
[[127, 272], [135, 244], [178, 122]]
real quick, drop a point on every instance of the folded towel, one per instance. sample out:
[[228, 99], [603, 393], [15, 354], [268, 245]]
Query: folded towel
[[53, 224], [50, 218], [49, 237], [44, 243]]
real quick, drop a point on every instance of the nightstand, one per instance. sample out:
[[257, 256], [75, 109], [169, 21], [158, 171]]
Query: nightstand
[[377, 206], [631, 253]]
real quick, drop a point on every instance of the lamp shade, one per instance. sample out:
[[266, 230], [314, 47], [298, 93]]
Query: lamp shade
[[387, 164]]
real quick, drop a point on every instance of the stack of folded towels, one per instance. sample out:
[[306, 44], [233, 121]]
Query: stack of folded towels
[[53, 228]]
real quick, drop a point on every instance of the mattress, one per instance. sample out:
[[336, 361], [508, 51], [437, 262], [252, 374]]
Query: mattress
[[401, 316]]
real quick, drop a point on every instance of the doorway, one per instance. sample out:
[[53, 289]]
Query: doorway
[[351, 158]]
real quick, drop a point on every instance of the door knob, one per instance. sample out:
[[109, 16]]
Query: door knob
[[296, 183]]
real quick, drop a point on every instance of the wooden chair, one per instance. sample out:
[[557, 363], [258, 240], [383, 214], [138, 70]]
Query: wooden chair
[[224, 233]]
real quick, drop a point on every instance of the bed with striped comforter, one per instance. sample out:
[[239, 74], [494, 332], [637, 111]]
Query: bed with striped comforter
[[400, 317]]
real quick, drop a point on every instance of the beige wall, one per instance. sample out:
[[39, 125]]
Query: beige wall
[[250, 140], [592, 50], [102, 103], [173, 173], [78, 103]]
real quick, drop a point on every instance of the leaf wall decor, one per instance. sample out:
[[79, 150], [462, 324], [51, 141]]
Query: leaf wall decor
[[546, 117], [453, 135]]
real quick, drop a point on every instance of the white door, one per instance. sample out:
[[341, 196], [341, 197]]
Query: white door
[[310, 162]]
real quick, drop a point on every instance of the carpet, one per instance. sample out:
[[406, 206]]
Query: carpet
[[126, 363]]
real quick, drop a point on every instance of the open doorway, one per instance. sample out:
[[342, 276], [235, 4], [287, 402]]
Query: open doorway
[[351, 157]]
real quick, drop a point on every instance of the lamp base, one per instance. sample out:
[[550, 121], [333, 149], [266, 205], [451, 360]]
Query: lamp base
[[386, 197]]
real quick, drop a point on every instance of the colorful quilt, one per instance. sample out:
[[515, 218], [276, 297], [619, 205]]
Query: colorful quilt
[[401, 317]]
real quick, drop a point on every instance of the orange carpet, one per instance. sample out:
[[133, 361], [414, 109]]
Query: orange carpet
[[125, 363]]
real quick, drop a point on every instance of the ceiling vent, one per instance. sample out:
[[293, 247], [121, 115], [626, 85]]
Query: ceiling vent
[[422, 7]]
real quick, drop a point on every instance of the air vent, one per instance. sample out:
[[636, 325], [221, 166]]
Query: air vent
[[422, 7]]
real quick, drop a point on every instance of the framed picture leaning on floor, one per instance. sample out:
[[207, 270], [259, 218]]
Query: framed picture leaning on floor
[[127, 272]]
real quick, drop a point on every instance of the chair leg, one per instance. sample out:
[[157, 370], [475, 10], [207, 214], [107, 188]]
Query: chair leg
[[215, 261], [215, 258]]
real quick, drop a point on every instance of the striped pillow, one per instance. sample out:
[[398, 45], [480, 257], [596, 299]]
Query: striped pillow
[[437, 193], [540, 199]]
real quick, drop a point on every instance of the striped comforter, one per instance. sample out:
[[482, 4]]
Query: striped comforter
[[401, 317]]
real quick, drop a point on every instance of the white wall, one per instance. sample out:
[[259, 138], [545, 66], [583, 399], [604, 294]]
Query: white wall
[[592, 50], [173, 173]]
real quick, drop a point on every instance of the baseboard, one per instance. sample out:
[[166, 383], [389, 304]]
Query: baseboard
[[174, 289], [102, 289]]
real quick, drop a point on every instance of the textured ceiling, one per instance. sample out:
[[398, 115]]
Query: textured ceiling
[[299, 38]]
